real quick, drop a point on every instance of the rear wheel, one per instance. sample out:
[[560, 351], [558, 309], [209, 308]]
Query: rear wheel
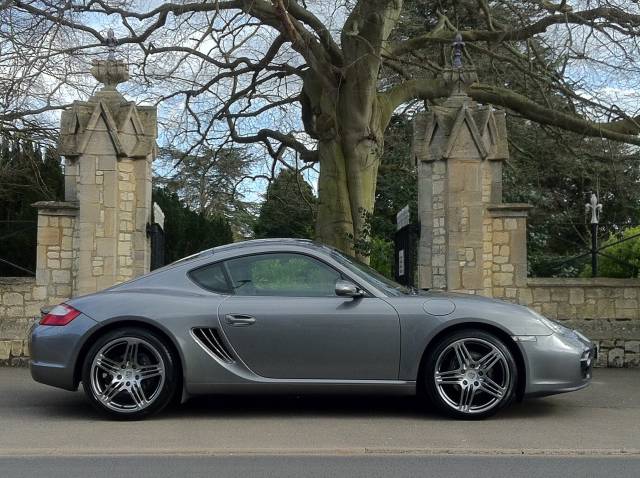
[[471, 374], [129, 373]]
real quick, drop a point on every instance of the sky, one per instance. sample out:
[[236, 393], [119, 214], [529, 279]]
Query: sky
[[612, 78]]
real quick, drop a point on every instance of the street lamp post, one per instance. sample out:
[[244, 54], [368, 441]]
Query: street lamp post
[[595, 208]]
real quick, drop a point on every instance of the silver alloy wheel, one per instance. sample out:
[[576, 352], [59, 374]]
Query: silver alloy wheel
[[127, 374], [472, 375]]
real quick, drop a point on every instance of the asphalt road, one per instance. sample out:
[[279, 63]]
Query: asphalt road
[[321, 466], [39, 421]]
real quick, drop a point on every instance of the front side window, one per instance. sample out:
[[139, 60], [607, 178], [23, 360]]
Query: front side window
[[286, 275]]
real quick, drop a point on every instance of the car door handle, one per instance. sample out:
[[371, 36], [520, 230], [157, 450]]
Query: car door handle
[[239, 320]]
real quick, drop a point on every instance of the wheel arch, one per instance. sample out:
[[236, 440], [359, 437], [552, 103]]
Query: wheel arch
[[490, 328], [118, 323]]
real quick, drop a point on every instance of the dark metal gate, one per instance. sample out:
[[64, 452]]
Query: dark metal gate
[[156, 234], [406, 249]]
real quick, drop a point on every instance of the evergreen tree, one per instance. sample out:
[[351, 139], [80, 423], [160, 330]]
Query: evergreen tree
[[288, 209], [187, 231], [26, 177]]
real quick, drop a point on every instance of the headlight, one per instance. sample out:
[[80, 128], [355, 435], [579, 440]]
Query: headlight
[[552, 325]]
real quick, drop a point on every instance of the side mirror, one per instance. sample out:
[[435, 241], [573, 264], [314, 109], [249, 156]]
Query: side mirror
[[344, 288]]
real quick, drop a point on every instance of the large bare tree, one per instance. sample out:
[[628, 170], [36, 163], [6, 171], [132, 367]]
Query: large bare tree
[[316, 83]]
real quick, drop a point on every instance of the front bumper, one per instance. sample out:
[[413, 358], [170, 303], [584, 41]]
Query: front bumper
[[558, 363], [55, 350]]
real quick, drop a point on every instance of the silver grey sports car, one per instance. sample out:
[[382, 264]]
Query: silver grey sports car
[[294, 316]]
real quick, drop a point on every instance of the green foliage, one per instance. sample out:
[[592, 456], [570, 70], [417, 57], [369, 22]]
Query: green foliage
[[396, 187], [187, 231], [210, 183], [289, 208], [397, 180], [289, 274], [627, 254], [28, 173], [381, 257], [556, 174]]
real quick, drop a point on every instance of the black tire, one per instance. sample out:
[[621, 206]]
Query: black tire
[[151, 354], [443, 394]]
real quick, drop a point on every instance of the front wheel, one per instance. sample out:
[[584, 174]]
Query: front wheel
[[471, 374], [129, 373]]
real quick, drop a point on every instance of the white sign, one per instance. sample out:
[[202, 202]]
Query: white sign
[[402, 218], [158, 215], [401, 262]]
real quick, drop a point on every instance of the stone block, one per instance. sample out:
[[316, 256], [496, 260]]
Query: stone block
[[32, 310], [39, 293], [16, 348], [605, 309], [63, 291], [16, 311], [616, 357], [541, 294], [503, 279], [632, 360], [560, 295], [48, 236], [107, 163], [626, 304], [525, 296], [61, 277], [550, 309], [632, 346], [576, 296], [501, 238], [510, 224], [5, 349], [12, 298]]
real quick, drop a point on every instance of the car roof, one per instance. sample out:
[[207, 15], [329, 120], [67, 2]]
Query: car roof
[[271, 241], [284, 241]]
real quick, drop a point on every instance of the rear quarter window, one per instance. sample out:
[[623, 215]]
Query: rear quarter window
[[211, 277]]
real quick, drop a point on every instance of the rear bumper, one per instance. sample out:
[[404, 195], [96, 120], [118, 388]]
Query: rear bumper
[[55, 350], [558, 363]]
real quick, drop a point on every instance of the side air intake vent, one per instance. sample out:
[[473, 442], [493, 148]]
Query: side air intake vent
[[209, 339]]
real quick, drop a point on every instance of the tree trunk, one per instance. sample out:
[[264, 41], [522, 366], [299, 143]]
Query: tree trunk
[[346, 189]]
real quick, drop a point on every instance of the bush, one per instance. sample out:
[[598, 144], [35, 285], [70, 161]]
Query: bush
[[382, 256], [626, 252]]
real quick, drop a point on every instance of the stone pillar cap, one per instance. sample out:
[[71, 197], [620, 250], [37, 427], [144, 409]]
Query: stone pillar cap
[[110, 73]]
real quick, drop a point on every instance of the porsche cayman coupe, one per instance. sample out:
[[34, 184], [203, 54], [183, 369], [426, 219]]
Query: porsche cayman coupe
[[294, 316]]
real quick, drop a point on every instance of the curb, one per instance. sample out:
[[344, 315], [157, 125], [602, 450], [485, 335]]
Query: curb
[[57, 452]]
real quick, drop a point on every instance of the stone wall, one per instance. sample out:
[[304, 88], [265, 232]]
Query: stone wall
[[20, 302], [55, 250], [97, 237], [472, 242], [605, 310]]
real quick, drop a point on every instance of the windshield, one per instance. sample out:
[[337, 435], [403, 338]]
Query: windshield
[[371, 275]]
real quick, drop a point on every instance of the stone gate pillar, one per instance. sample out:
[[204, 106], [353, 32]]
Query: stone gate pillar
[[108, 144], [459, 148]]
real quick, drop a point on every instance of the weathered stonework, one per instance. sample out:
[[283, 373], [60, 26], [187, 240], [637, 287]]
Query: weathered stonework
[[471, 242], [605, 310], [20, 302], [109, 144], [459, 149], [97, 236]]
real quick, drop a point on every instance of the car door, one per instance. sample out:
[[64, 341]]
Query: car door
[[285, 321]]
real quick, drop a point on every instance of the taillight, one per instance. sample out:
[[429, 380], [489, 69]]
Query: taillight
[[60, 315]]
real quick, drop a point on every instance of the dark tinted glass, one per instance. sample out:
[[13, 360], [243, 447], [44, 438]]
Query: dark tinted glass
[[211, 277]]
